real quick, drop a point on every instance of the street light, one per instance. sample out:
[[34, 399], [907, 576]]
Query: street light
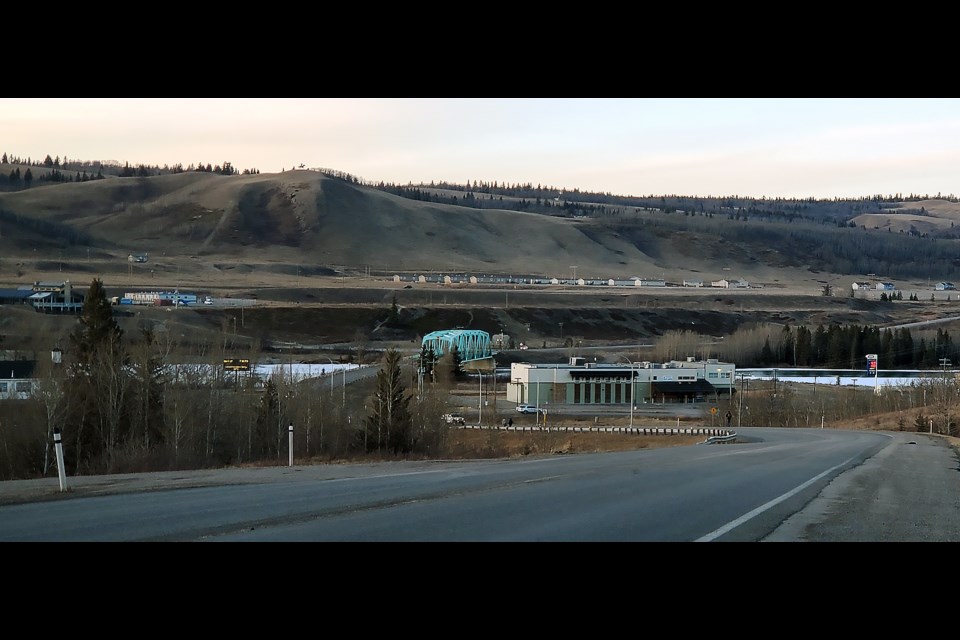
[[740, 409], [538, 400], [343, 368], [631, 388], [333, 371], [945, 362], [480, 414]]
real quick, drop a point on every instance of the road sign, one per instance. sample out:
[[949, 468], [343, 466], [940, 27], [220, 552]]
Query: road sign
[[236, 364], [713, 410], [871, 356]]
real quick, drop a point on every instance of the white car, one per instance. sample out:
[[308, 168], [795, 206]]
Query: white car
[[528, 408]]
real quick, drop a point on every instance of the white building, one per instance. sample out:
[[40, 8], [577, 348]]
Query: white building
[[589, 383]]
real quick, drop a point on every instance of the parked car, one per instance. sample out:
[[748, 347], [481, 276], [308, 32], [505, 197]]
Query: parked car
[[528, 408], [454, 418]]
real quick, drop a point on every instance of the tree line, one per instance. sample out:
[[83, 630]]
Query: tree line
[[826, 347], [57, 170], [122, 406]]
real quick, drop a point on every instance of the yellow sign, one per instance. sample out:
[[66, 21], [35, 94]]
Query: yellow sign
[[713, 410], [236, 364]]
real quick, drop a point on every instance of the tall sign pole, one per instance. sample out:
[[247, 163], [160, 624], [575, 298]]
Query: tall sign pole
[[872, 369]]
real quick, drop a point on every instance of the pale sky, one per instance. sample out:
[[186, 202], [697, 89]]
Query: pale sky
[[787, 147]]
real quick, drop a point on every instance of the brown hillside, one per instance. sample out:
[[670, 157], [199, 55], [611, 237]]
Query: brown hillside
[[198, 227], [939, 215]]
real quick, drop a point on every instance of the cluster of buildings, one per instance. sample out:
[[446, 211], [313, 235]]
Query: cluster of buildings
[[889, 286], [581, 382], [580, 282]]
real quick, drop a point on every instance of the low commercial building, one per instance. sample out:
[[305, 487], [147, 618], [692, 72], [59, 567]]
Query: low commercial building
[[588, 383], [17, 379]]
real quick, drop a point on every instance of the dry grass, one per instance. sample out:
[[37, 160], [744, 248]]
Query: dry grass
[[473, 443]]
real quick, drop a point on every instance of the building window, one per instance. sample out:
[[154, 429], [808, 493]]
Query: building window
[[3, 387], [23, 387]]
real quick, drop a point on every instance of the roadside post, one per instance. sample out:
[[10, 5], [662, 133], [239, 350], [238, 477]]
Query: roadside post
[[59, 447], [291, 443]]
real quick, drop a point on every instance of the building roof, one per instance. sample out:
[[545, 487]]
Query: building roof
[[16, 369], [700, 386], [15, 294]]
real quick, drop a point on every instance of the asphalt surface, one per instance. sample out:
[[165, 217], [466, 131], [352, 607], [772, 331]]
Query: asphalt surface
[[908, 492]]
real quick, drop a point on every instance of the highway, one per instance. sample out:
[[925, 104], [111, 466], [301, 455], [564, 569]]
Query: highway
[[771, 485]]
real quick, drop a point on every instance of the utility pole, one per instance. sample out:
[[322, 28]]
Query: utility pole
[[743, 391], [944, 362]]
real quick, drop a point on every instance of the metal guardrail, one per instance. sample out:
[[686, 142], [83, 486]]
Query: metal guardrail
[[730, 436], [714, 435]]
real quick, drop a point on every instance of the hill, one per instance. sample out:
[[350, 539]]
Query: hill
[[324, 249], [205, 227]]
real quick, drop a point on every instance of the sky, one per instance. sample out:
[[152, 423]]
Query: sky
[[757, 147]]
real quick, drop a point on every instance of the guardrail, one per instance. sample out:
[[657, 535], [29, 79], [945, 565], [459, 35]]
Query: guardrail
[[714, 435], [721, 439]]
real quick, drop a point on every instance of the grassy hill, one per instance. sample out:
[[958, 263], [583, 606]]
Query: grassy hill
[[210, 226], [306, 239]]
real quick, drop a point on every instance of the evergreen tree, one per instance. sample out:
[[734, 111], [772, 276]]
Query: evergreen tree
[[766, 354], [390, 425], [456, 362], [394, 318], [97, 327], [428, 361], [268, 416], [803, 347], [147, 368], [97, 385], [786, 351]]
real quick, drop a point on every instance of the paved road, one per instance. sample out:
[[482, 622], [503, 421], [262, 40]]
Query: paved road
[[908, 492], [902, 487]]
